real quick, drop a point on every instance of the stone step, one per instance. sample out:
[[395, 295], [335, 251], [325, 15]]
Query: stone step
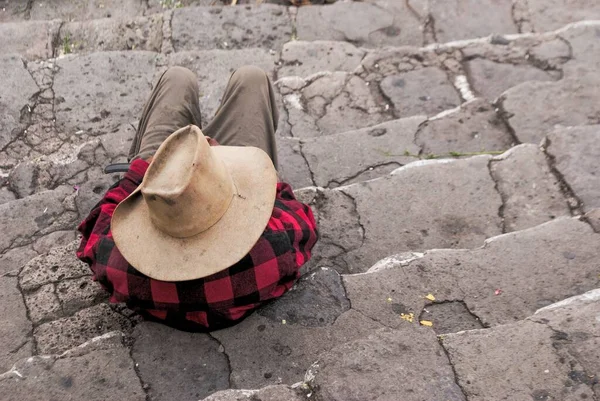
[[434, 204]]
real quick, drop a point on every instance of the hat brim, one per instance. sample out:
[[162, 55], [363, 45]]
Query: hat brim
[[166, 258]]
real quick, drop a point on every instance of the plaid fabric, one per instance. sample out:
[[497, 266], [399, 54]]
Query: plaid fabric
[[266, 273]]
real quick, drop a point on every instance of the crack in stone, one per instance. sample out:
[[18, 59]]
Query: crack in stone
[[429, 34], [503, 197], [485, 325], [456, 379], [226, 357], [310, 170], [145, 387], [573, 201], [504, 117], [335, 183]]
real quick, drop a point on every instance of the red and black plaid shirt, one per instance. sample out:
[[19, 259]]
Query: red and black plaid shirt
[[267, 272]]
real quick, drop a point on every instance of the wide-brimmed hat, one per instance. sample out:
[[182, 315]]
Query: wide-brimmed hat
[[198, 210]]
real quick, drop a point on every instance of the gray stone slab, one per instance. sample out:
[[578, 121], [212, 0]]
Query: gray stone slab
[[32, 40], [15, 327], [303, 58], [77, 294], [422, 91], [46, 243], [548, 15], [471, 128], [25, 220], [585, 49], [281, 352], [330, 103], [98, 93], [140, 33], [508, 279], [387, 365], [13, 259], [316, 300], [367, 153], [268, 393], [292, 167], [62, 334], [84, 10], [455, 19], [593, 218], [553, 358], [450, 317], [99, 370], [205, 28], [11, 10], [534, 109], [213, 69], [43, 304], [190, 367], [92, 191], [491, 79], [531, 193], [159, 6], [17, 89], [450, 204], [364, 24], [575, 153]]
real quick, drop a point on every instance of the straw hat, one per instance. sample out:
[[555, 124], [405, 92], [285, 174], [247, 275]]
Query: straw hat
[[199, 209]]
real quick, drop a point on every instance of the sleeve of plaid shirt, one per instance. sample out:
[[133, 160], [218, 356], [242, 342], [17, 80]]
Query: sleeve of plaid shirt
[[267, 272]]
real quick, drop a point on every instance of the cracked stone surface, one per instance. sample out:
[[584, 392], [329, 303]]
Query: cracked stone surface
[[547, 15], [473, 127], [293, 167], [491, 79], [205, 28], [330, 103], [585, 57], [84, 10], [452, 213], [531, 193], [99, 370], [560, 259], [364, 24], [189, 368], [456, 19], [141, 33], [65, 333], [574, 153], [367, 153], [534, 108], [15, 327], [32, 39], [425, 90], [268, 393], [369, 368], [301, 58], [282, 352], [214, 67], [318, 299], [556, 347]]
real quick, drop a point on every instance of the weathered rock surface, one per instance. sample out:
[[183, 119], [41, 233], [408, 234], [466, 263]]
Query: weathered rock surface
[[471, 128], [585, 49], [455, 19], [268, 393], [140, 33], [32, 39], [178, 365], [531, 193], [575, 153], [205, 28], [301, 58], [367, 153], [84, 10], [388, 364], [491, 79], [533, 109], [491, 281], [15, 328], [550, 355], [547, 15], [364, 24], [100, 369]]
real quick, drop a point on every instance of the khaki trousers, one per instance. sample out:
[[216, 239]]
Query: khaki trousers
[[247, 115]]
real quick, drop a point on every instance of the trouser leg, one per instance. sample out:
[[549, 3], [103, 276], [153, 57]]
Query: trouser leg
[[173, 104], [248, 113]]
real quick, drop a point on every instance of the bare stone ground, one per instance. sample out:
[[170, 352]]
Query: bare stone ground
[[449, 151]]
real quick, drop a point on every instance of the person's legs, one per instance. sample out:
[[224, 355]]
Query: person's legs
[[173, 104], [248, 113]]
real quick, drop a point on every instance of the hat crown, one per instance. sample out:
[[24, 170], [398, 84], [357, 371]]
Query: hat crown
[[187, 189]]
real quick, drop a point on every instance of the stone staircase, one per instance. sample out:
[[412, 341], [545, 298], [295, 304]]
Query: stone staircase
[[448, 148]]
